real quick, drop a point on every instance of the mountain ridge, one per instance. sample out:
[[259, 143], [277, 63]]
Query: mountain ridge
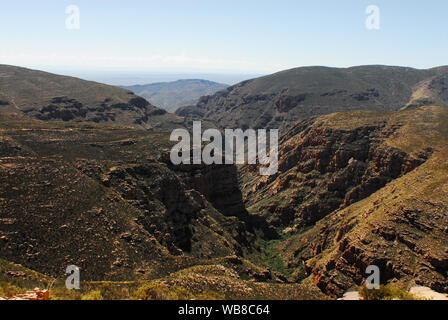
[[172, 95], [51, 97], [280, 100]]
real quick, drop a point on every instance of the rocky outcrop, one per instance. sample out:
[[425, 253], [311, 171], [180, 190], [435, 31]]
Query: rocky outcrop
[[322, 169], [66, 109], [179, 217], [406, 251], [287, 103], [390, 201], [219, 184], [35, 295]]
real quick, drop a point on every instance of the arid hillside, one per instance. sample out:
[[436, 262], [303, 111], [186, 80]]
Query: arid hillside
[[51, 97], [357, 189], [368, 186], [280, 100], [97, 197], [104, 199]]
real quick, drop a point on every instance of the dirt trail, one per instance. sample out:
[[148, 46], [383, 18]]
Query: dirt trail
[[418, 292], [427, 293]]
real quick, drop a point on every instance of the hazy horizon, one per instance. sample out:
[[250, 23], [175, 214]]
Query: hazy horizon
[[203, 37], [130, 78]]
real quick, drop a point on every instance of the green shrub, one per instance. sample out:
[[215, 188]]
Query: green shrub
[[385, 293], [160, 291], [8, 290], [271, 258], [62, 293], [93, 295], [114, 293]]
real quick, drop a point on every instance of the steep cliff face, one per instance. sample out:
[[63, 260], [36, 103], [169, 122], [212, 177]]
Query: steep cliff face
[[180, 218], [401, 229], [359, 189], [323, 168], [219, 185]]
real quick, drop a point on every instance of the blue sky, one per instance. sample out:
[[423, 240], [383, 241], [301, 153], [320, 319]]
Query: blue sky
[[229, 36]]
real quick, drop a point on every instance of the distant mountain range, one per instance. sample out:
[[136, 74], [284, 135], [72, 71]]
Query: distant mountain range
[[172, 95], [282, 99]]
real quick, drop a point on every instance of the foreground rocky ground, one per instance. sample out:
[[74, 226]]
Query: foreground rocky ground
[[353, 189]]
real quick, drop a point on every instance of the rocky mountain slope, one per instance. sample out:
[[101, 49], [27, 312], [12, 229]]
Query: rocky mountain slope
[[105, 199], [97, 197], [354, 188], [282, 99], [173, 95], [357, 189], [49, 97]]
